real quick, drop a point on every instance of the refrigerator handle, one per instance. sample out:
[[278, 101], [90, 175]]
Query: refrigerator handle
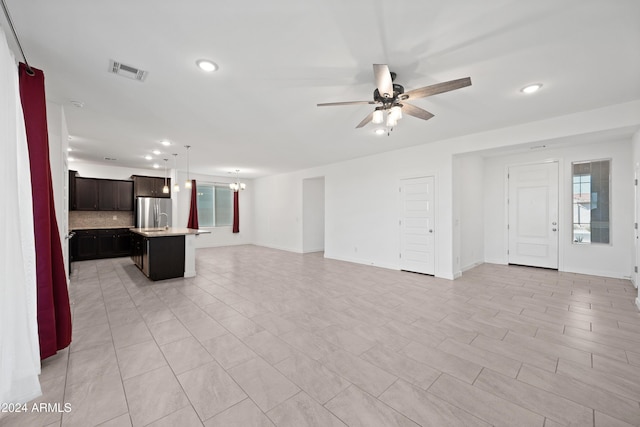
[[155, 213]]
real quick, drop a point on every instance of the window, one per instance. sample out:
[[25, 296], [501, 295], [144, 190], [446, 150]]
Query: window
[[591, 201], [215, 205]]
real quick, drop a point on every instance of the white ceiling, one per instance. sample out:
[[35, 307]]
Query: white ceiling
[[278, 58]]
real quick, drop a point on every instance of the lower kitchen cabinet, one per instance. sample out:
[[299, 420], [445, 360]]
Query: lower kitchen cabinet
[[100, 243], [85, 245]]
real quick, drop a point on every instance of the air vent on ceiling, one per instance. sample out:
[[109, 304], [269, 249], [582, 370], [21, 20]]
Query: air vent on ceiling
[[127, 71]]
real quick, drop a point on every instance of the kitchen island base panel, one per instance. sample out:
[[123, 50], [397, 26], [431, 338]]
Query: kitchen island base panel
[[190, 255]]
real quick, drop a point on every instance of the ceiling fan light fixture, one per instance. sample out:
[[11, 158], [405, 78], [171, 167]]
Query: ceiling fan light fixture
[[207, 65], [531, 88], [378, 116], [391, 120], [396, 112]]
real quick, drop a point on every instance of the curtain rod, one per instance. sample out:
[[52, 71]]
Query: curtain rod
[[15, 36]]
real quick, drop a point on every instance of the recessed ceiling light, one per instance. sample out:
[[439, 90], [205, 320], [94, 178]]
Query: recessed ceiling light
[[148, 157], [156, 166], [71, 159], [379, 131], [156, 152], [531, 88], [69, 149], [165, 142], [206, 65]]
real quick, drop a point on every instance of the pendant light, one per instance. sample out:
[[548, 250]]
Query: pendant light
[[187, 183], [165, 189], [176, 186], [236, 186]]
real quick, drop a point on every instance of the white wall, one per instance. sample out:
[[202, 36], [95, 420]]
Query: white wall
[[58, 144], [313, 215], [361, 207], [361, 195], [614, 260]]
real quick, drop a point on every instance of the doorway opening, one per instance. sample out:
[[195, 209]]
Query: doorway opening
[[313, 215]]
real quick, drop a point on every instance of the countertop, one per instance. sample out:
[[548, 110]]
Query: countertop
[[111, 227], [171, 231]]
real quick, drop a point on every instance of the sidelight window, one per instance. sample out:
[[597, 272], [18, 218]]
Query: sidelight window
[[591, 201]]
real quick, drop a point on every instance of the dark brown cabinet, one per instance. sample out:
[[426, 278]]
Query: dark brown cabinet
[[100, 243], [115, 195], [150, 186], [84, 245], [92, 194], [114, 242], [86, 194], [72, 190]]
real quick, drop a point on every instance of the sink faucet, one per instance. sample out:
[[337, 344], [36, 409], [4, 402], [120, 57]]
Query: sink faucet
[[160, 220]]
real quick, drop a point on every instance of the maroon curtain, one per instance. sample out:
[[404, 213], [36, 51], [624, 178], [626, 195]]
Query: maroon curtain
[[236, 212], [54, 313], [193, 209]]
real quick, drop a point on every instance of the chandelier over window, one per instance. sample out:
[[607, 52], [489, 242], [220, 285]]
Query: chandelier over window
[[237, 186]]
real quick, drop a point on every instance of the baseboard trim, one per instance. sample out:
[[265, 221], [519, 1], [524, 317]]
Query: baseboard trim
[[470, 266], [362, 261]]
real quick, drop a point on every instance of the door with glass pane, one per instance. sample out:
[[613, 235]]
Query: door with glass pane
[[533, 215]]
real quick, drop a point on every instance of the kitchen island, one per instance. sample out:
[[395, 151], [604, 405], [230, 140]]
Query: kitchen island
[[165, 253]]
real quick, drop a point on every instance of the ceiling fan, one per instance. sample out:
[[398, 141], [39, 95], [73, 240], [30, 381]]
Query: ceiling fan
[[390, 97]]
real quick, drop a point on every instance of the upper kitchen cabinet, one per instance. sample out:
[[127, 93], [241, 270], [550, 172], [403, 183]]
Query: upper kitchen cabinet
[[150, 186], [86, 194], [115, 195], [92, 194]]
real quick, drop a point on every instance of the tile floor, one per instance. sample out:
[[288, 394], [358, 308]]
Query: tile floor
[[263, 337]]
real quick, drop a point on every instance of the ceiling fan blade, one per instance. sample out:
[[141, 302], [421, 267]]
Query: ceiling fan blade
[[366, 120], [414, 111], [436, 88], [384, 83], [329, 104]]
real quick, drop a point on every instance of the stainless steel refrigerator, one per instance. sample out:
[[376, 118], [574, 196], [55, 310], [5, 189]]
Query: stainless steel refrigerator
[[152, 212]]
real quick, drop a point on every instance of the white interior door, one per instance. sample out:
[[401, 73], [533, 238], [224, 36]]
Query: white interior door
[[533, 215], [417, 225]]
